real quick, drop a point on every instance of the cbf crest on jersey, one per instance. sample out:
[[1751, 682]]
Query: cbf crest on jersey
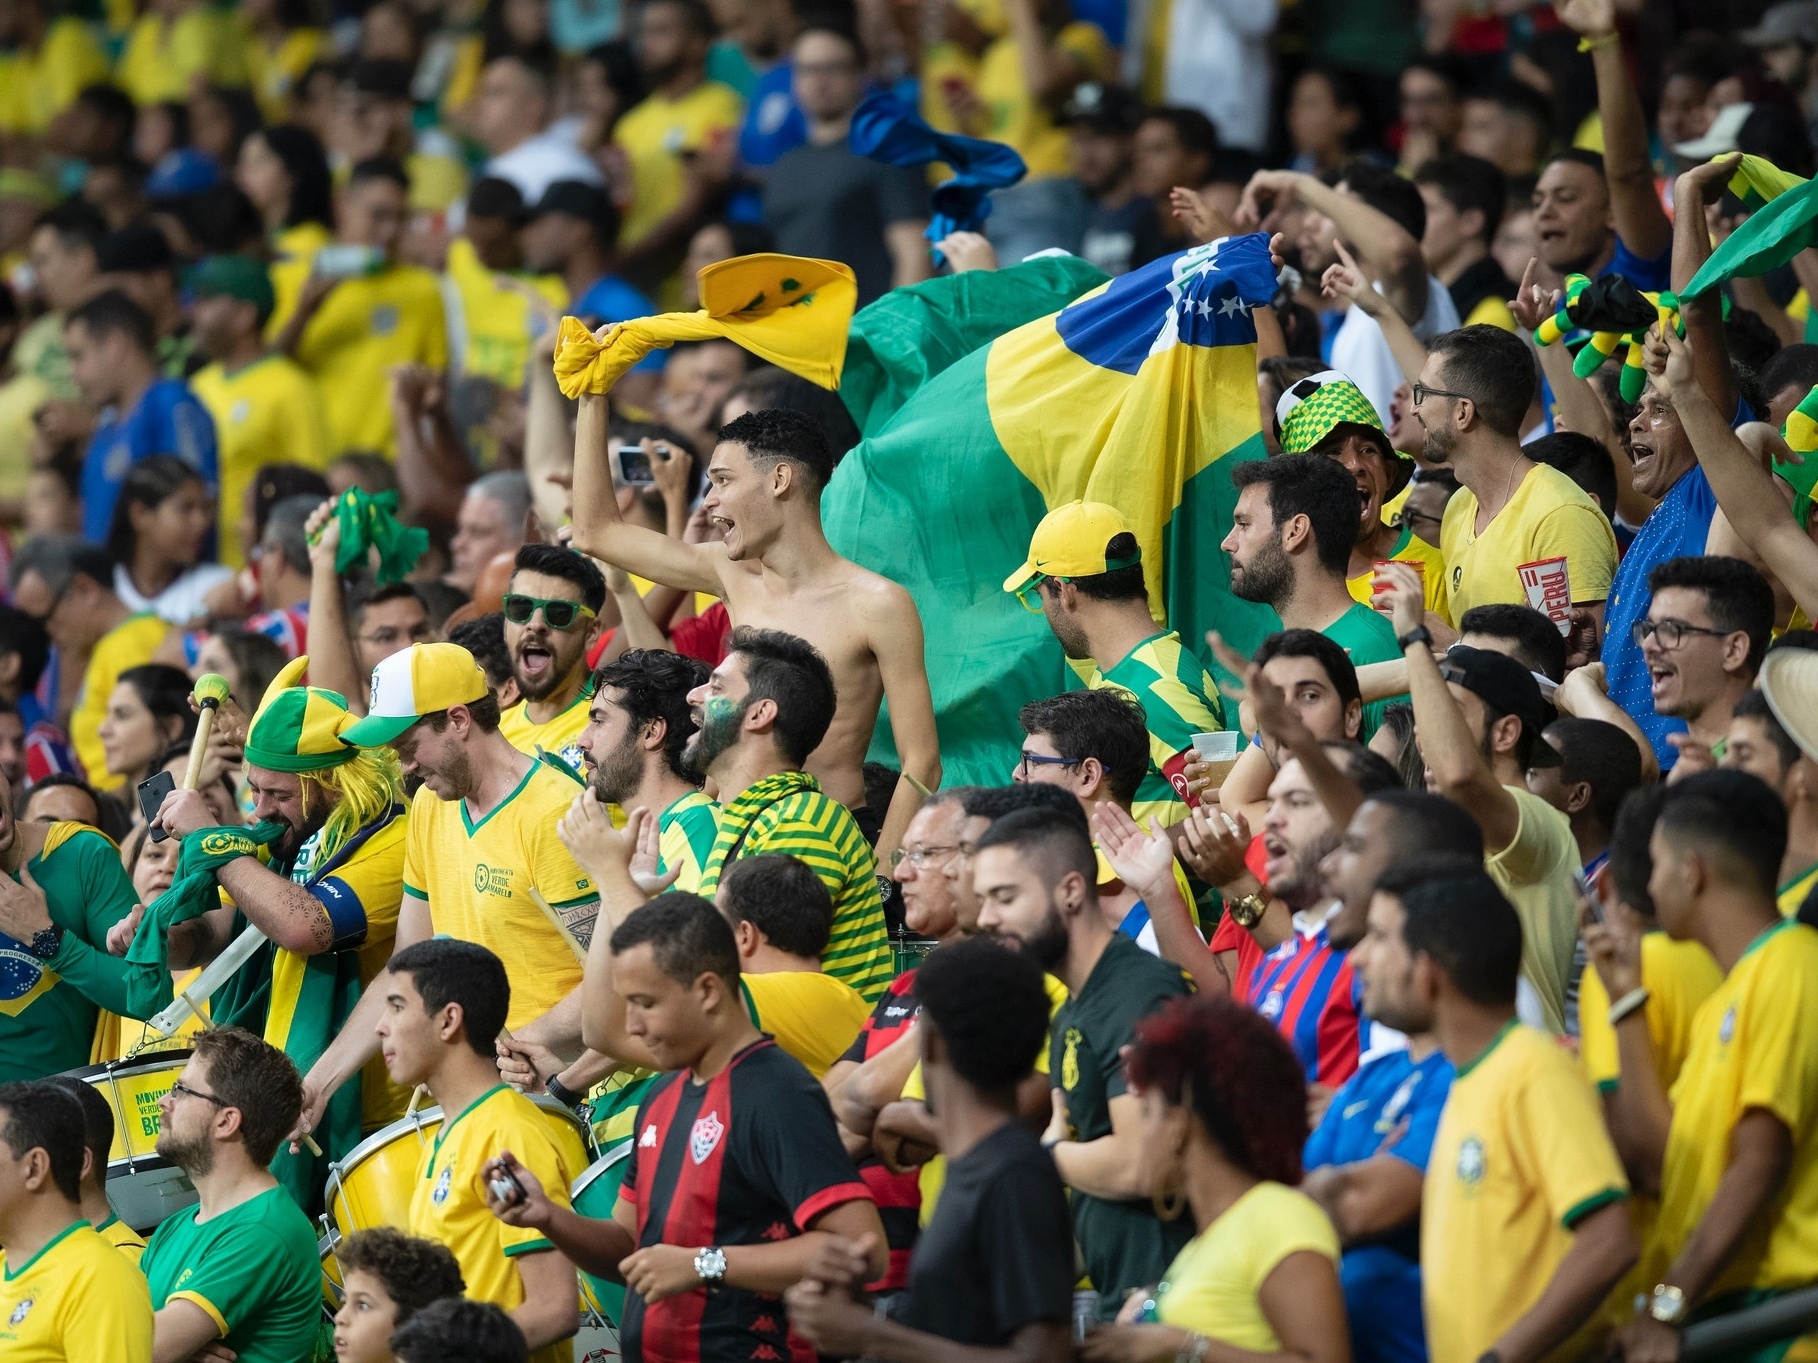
[[705, 1136], [440, 1195], [21, 1311]]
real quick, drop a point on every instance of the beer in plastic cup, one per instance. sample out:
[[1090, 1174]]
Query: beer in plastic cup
[[1219, 751]]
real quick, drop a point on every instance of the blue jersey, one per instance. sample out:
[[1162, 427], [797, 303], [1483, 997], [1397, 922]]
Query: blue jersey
[[774, 122], [1389, 1107], [611, 299], [166, 420], [1308, 991]]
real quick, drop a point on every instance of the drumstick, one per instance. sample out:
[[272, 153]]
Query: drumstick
[[211, 690], [555, 919]]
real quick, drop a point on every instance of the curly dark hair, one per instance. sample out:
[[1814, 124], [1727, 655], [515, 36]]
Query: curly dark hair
[[1243, 1081], [415, 1271], [776, 434], [654, 684]]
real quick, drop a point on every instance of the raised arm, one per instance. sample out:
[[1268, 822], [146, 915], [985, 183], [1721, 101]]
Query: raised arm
[[1384, 246], [331, 653], [605, 854], [896, 641], [598, 531], [548, 443], [1144, 860], [433, 467], [1346, 281], [1640, 220], [1703, 317]]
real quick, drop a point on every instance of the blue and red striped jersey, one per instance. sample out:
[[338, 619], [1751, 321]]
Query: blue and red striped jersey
[[750, 1157], [1309, 992]]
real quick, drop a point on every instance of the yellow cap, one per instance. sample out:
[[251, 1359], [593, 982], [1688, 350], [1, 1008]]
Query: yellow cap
[[1072, 541], [423, 679]]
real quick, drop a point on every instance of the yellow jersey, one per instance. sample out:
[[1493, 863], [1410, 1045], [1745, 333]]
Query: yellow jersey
[[300, 242], [37, 86], [267, 412], [75, 1301], [1792, 895], [1535, 871], [478, 879], [163, 57], [1754, 1045], [364, 327], [812, 1016], [492, 319], [133, 641], [1520, 1157], [560, 737], [448, 1199], [1410, 548], [656, 133], [1016, 117], [1212, 1286], [1549, 516], [123, 1238], [274, 71]]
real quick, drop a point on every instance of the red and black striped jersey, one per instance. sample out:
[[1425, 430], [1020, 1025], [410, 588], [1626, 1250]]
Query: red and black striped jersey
[[750, 1157], [898, 1196]]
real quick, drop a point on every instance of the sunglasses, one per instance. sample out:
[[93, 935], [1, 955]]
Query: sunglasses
[[558, 614]]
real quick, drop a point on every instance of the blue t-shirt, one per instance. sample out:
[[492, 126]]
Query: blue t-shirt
[[167, 420], [1391, 1106], [1650, 276], [1674, 529], [611, 299], [774, 122]]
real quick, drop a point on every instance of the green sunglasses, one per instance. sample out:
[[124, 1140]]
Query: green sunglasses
[[559, 614]]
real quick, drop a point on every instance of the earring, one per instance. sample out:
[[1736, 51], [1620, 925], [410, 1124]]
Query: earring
[[1169, 1196]]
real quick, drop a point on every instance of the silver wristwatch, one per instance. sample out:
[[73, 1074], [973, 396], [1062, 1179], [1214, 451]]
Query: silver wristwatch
[[710, 1266]]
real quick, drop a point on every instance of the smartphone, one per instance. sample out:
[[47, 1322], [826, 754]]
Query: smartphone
[[152, 791], [634, 467], [507, 1188]]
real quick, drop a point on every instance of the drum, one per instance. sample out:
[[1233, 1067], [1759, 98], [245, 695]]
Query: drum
[[142, 1186], [372, 1186], [595, 1194], [909, 952]]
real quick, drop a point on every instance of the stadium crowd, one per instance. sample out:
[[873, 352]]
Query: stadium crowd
[[974, 680]]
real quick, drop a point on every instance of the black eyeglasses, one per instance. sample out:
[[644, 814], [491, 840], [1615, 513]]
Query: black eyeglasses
[[1422, 393], [559, 614], [1035, 759], [1670, 632], [184, 1090]]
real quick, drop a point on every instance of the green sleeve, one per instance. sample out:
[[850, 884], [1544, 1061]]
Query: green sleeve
[[93, 869]]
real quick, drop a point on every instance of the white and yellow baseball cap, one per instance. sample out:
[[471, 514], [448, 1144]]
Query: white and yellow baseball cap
[[424, 679]]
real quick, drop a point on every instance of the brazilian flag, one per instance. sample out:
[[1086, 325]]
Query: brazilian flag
[[1783, 221], [985, 399]]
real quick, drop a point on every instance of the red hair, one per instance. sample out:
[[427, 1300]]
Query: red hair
[[1242, 1079]]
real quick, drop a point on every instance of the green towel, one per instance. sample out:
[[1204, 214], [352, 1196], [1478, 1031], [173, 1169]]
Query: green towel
[[194, 891], [370, 522]]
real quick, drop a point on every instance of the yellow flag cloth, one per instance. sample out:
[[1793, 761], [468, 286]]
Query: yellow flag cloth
[[1758, 182], [789, 310]]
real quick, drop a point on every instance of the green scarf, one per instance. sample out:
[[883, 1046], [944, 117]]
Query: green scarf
[[194, 890], [370, 522]]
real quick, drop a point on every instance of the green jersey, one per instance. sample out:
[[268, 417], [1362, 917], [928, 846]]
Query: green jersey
[[254, 1269], [1368, 637], [1179, 699], [1123, 1244], [686, 832], [48, 1010]]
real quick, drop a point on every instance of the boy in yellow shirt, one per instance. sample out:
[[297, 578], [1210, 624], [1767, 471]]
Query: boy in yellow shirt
[[66, 1295], [1738, 1158]]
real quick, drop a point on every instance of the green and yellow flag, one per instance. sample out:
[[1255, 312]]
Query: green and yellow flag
[[987, 399], [1783, 221]]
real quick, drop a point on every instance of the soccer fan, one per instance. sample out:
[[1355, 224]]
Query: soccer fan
[[1034, 872], [326, 894], [1599, 765], [481, 847], [1290, 545], [474, 1331], [552, 616], [445, 1004], [1464, 196], [265, 408], [387, 1277], [1759, 744], [639, 722], [780, 914], [737, 1178], [1085, 573], [1523, 1229], [1471, 399], [241, 1267], [113, 360], [70, 891], [994, 1269], [493, 519], [1703, 637], [766, 477], [1732, 1153], [1480, 718], [347, 322], [97, 1147], [761, 712], [65, 1294]]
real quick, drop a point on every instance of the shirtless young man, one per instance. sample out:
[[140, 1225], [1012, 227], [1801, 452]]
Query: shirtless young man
[[775, 570]]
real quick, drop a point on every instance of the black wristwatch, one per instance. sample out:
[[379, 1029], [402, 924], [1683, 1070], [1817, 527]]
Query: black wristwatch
[[45, 945], [1420, 634], [564, 1095]]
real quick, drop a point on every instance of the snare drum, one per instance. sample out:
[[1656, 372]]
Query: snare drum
[[142, 1186], [595, 1194], [372, 1186]]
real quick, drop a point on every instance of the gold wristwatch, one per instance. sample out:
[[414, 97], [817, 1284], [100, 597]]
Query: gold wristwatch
[[1247, 912]]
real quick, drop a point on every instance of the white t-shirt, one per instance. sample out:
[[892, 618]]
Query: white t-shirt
[[1360, 350], [183, 602], [536, 164]]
